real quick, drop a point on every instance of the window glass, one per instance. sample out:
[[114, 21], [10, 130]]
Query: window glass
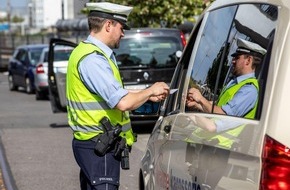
[[213, 67], [35, 55], [62, 55], [21, 55], [153, 52], [210, 49]]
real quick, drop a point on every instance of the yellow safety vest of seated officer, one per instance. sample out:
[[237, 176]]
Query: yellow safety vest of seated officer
[[85, 109], [227, 138]]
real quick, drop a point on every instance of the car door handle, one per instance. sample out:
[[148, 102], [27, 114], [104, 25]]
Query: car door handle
[[167, 128]]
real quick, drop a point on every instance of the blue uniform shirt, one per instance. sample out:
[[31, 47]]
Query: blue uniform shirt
[[98, 77], [243, 101]]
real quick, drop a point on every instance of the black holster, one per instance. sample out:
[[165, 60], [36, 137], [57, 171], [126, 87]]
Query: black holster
[[110, 140], [107, 140]]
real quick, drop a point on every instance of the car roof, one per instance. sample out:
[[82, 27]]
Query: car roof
[[153, 31], [224, 3], [46, 49]]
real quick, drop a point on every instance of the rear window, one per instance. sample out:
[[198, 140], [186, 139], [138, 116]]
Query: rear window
[[59, 55], [148, 51], [35, 55]]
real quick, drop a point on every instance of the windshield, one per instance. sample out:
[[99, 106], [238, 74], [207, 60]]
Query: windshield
[[148, 52]]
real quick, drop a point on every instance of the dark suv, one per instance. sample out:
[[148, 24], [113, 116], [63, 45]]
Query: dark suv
[[145, 56]]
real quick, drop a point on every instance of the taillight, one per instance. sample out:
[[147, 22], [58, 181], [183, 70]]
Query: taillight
[[183, 39], [276, 166], [39, 69]]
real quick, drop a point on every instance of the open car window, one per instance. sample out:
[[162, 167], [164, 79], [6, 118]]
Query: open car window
[[211, 70]]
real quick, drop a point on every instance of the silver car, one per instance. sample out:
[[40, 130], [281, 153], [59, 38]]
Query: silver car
[[196, 150], [61, 57]]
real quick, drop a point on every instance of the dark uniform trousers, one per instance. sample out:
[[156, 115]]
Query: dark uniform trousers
[[97, 173]]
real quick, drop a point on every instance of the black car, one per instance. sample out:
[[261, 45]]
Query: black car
[[21, 65], [144, 57]]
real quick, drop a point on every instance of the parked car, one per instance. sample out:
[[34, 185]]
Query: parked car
[[181, 152], [61, 56], [145, 56], [21, 65]]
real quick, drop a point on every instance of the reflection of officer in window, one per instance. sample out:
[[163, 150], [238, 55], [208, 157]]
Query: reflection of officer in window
[[239, 97]]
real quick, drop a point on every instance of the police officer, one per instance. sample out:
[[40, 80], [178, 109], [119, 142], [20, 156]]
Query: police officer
[[240, 96], [95, 90]]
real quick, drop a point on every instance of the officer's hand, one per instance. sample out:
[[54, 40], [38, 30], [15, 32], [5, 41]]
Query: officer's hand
[[157, 98], [160, 90], [194, 95]]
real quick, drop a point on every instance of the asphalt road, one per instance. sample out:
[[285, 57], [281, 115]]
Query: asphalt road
[[36, 146]]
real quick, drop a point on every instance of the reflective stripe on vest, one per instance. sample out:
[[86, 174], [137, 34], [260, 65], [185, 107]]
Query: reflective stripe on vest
[[86, 109]]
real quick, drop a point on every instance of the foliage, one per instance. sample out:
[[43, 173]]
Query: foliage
[[151, 13], [17, 19], [14, 19]]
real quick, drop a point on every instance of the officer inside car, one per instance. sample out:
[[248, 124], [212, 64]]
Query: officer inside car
[[240, 96], [95, 91]]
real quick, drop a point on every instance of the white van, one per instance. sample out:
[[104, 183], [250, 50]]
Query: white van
[[181, 153]]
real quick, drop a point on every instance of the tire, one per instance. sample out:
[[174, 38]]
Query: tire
[[12, 86], [28, 87]]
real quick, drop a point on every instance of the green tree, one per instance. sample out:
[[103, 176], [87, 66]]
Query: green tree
[[151, 13], [14, 19], [17, 19]]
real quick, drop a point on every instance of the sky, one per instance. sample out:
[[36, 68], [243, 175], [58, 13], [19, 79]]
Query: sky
[[13, 3]]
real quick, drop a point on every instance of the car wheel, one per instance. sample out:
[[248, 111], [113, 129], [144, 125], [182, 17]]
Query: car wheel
[[28, 88], [11, 84]]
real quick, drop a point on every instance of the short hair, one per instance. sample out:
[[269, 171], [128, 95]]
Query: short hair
[[256, 60], [96, 23]]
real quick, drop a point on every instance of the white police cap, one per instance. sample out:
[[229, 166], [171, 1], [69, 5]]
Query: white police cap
[[247, 47], [112, 11]]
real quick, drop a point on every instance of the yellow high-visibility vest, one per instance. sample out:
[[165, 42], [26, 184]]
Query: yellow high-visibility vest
[[86, 109]]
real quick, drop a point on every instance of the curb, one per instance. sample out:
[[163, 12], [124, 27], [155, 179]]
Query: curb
[[8, 179]]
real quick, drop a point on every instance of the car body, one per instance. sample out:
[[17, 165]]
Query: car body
[[61, 57], [145, 56], [181, 152], [21, 65]]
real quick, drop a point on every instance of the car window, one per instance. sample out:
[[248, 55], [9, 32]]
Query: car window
[[35, 55], [212, 66], [21, 55], [150, 51], [59, 55], [62, 55], [174, 102]]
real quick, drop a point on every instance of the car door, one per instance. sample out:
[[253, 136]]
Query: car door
[[57, 77], [20, 67], [197, 159]]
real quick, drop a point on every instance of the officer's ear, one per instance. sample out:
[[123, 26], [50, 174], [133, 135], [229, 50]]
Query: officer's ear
[[249, 59], [108, 24]]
